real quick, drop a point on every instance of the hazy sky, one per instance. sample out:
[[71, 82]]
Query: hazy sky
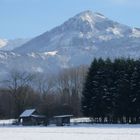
[[28, 18]]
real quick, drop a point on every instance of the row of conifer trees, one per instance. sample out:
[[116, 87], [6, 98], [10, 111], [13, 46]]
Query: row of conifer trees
[[111, 92]]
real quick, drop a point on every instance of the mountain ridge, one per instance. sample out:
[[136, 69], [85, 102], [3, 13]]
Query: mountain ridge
[[85, 26], [9, 45], [76, 42]]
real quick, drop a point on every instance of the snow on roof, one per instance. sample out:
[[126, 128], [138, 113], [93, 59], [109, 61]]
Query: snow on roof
[[38, 116], [27, 113], [63, 116]]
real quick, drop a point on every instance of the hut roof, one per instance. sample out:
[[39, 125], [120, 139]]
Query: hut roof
[[63, 116], [27, 113]]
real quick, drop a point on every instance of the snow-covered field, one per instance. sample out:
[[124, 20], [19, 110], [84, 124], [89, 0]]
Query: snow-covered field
[[83, 132]]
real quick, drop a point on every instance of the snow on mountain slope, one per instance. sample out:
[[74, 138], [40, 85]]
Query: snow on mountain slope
[[86, 29], [136, 32], [76, 42], [3, 42], [9, 45]]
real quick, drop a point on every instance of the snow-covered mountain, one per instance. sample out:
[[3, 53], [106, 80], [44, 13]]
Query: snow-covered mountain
[[87, 31], [75, 42], [9, 45]]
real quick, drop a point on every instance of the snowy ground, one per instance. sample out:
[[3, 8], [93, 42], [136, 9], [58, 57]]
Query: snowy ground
[[83, 132], [6, 122]]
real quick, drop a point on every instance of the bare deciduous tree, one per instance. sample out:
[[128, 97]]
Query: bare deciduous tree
[[18, 86]]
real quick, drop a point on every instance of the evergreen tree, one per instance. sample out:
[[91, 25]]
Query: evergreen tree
[[112, 91]]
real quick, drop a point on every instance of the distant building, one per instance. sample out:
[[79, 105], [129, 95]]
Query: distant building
[[62, 120], [31, 117]]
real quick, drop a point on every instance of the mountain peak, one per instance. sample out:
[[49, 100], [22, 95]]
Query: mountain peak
[[84, 22], [84, 29], [90, 16], [87, 12], [85, 16], [76, 42]]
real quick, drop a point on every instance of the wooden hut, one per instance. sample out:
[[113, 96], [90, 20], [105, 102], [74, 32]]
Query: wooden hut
[[31, 117], [62, 120]]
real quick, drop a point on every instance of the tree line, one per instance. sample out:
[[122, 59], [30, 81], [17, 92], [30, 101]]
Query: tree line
[[55, 94], [111, 92], [107, 92]]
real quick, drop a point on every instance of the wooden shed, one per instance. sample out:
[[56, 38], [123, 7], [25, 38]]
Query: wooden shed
[[31, 117], [62, 120]]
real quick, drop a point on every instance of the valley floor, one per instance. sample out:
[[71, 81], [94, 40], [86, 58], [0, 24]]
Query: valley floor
[[82, 132]]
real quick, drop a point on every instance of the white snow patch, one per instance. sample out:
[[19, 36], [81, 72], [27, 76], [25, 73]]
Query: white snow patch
[[87, 17], [80, 120], [37, 69], [32, 55], [51, 53], [81, 35], [87, 35], [3, 42], [135, 33], [115, 31], [6, 122], [105, 37]]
